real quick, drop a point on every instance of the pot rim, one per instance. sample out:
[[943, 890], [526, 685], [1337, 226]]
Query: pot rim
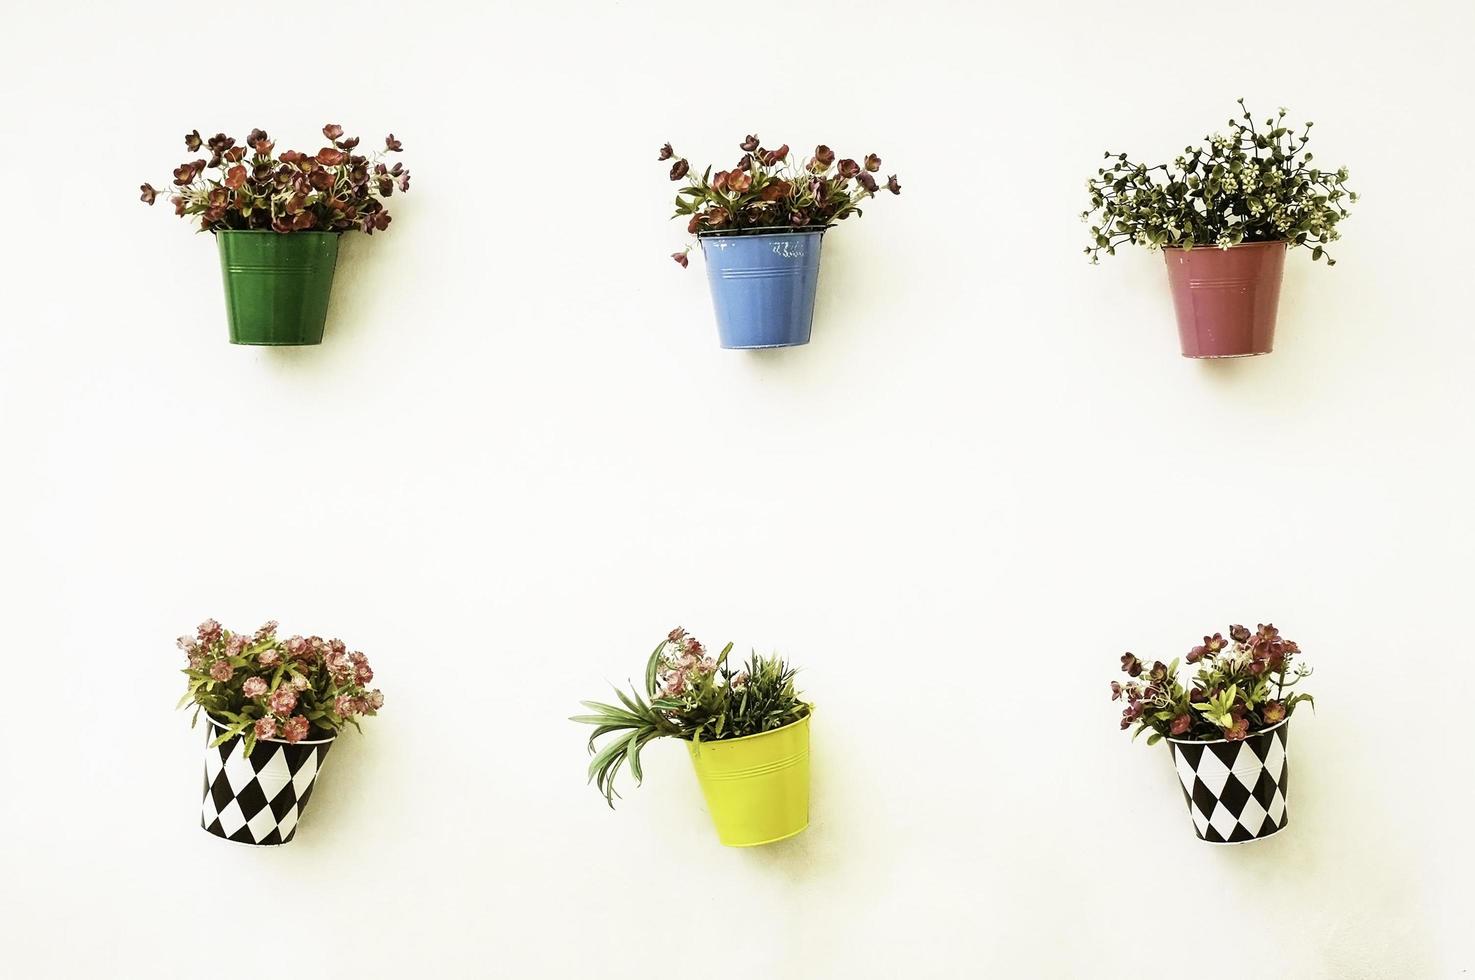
[[279, 234], [763, 233], [1283, 242], [809, 713], [280, 741], [1219, 741]]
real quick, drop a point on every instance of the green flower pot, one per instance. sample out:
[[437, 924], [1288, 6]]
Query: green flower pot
[[277, 286]]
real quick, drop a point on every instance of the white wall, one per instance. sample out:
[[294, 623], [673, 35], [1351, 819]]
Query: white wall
[[520, 457]]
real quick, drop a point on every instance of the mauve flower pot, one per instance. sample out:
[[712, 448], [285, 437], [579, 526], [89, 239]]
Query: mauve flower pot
[[1226, 298], [1236, 791], [277, 286], [763, 285], [259, 799], [756, 787]]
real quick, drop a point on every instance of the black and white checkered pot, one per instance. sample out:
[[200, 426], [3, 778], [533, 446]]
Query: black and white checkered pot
[[1236, 791], [258, 799]]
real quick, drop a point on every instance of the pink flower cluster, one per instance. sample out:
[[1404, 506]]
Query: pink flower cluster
[[684, 662], [288, 686]]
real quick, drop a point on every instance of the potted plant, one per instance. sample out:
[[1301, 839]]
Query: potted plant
[[747, 732], [276, 221], [1227, 731], [272, 710], [760, 225], [1223, 215]]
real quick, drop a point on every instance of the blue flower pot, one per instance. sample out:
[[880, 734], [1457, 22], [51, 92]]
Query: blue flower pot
[[763, 286]]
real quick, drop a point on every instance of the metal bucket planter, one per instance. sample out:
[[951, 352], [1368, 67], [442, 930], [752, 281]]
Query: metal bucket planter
[[763, 285], [1226, 298], [1236, 791], [277, 285], [258, 799], [756, 787]]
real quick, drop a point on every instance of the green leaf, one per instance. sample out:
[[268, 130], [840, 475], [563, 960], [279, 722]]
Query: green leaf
[[652, 668], [612, 711], [635, 709], [605, 756], [229, 734], [603, 730], [632, 753], [596, 720]]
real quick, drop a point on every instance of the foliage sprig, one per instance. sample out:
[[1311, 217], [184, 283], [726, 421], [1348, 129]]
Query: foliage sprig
[[770, 189], [692, 696], [1242, 685], [1253, 185]]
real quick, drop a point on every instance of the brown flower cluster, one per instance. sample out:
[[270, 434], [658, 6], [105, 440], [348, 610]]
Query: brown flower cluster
[[769, 189], [333, 189], [1242, 685]]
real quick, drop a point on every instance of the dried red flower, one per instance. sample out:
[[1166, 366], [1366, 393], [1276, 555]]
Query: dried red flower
[[666, 152], [193, 142], [185, 173], [750, 144], [873, 163], [328, 190], [333, 131], [892, 185], [679, 169], [680, 258], [848, 168], [775, 191], [148, 194], [392, 145]]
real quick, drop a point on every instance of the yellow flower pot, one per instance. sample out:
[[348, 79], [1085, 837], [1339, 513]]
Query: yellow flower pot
[[757, 787]]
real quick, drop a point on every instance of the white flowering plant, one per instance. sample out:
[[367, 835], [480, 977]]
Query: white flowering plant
[[692, 696], [260, 687], [1253, 185]]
